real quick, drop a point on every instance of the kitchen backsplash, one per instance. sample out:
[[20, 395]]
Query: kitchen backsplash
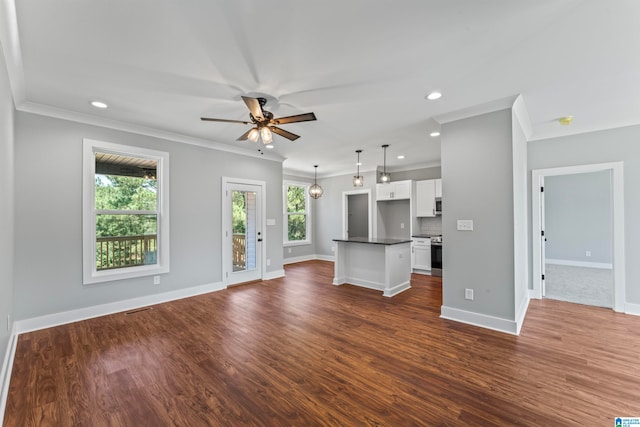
[[430, 225]]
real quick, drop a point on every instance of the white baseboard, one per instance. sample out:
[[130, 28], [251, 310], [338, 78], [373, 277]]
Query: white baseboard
[[5, 373], [602, 265], [482, 320], [630, 308], [313, 257], [521, 312], [273, 275], [293, 260], [358, 282], [70, 316]]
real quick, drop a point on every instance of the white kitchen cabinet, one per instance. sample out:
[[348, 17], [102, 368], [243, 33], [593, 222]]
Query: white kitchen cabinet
[[397, 190], [421, 254], [438, 183], [426, 198]]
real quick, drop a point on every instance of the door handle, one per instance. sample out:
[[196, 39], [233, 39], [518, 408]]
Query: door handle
[[259, 240]]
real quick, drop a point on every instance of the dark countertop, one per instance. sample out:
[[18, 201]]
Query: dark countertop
[[386, 242], [426, 236]]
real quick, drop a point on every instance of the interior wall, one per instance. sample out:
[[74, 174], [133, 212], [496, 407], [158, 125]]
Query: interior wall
[[6, 211], [419, 174], [48, 231], [578, 217], [612, 145], [477, 167]]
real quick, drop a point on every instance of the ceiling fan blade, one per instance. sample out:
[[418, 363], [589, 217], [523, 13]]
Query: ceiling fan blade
[[254, 106], [284, 133], [244, 136], [307, 117], [208, 119]]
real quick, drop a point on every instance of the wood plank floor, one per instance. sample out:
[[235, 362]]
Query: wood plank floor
[[299, 351]]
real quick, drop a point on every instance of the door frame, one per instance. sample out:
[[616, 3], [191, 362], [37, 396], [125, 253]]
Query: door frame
[[345, 210], [617, 203], [227, 234]]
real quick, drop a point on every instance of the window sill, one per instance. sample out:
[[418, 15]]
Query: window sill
[[300, 243], [124, 273]]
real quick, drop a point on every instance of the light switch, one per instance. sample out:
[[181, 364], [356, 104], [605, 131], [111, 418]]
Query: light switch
[[465, 225], [271, 221]]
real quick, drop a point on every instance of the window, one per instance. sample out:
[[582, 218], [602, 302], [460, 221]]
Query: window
[[125, 212], [297, 216]]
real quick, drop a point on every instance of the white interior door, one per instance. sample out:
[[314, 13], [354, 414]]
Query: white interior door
[[242, 232], [543, 239]]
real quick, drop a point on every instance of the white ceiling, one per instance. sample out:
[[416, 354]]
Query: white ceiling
[[363, 66]]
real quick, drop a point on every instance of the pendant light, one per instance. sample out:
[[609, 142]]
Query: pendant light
[[315, 190], [384, 176], [358, 180]]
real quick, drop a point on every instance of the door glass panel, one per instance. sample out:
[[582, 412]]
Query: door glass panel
[[244, 230]]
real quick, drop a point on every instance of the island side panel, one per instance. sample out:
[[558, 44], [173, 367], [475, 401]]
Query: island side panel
[[398, 269], [360, 264]]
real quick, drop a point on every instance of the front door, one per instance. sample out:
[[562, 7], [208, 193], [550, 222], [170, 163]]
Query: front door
[[242, 233]]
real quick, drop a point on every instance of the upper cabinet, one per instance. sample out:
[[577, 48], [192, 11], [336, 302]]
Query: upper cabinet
[[426, 193], [396, 190]]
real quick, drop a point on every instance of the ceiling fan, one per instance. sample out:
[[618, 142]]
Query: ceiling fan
[[264, 122]]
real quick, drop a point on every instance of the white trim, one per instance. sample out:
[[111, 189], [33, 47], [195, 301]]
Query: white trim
[[274, 275], [571, 263], [89, 273], [481, 320], [10, 41], [521, 312], [56, 319], [476, 110], [293, 260], [617, 190], [345, 219], [5, 373], [331, 258], [59, 113], [631, 308]]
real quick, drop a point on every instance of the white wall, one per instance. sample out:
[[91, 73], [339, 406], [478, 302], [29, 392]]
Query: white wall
[[48, 186], [477, 170], [614, 145], [6, 210]]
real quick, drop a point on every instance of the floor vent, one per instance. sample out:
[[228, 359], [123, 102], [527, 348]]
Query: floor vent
[[137, 311]]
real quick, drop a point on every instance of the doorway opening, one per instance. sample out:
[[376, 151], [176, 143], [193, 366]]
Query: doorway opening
[[578, 229], [356, 214]]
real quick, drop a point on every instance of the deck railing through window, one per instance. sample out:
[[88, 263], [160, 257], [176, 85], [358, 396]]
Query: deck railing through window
[[239, 251], [125, 251]]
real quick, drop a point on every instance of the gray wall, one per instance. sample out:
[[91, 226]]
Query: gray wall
[[417, 174], [6, 207], [578, 217], [48, 232], [614, 145], [477, 176]]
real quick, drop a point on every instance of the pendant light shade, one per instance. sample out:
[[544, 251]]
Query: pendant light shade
[[254, 134], [315, 190], [266, 135], [358, 180], [384, 176]]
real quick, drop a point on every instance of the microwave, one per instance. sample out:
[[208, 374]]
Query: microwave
[[439, 206]]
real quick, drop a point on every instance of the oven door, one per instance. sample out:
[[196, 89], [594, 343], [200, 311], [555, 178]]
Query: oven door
[[436, 259]]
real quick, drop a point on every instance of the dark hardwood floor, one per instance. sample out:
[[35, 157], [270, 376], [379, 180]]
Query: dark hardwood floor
[[299, 351]]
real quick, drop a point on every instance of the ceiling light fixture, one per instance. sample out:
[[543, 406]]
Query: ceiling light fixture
[[434, 95], [99, 104], [434, 134], [384, 176], [269, 146], [566, 120], [315, 190], [267, 136], [400, 157], [253, 135], [358, 180]]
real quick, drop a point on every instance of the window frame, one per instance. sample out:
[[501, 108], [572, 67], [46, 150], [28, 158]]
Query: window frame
[[90, 274], [307, 213]]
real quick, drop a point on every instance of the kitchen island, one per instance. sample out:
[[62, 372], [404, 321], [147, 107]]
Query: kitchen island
[[381, 264]]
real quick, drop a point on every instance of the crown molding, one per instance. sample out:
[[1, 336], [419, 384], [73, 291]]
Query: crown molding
[[10, 41]]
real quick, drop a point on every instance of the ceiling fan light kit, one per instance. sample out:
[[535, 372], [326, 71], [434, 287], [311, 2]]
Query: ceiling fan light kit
[[264, 123]]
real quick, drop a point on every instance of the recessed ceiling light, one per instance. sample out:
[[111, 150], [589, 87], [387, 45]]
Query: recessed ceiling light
[[400, 157], [99, 104], [359, 164], [434, 134], [269, 146], [434, 95]]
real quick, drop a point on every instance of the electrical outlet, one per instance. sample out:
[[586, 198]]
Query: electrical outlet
[[332, 249], [588, 253], [156, 280], [8, 322], [289, 250], [402, 225], [468, 294], [268, 262]]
